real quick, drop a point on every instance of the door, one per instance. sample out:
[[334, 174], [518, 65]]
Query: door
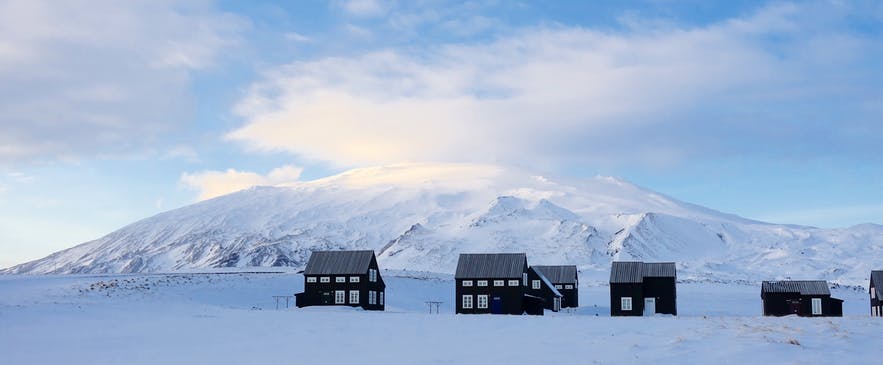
[[497, 305], [326, 297], [793, 306], [649, 306]]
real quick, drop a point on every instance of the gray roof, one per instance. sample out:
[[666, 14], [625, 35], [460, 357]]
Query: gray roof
[[877, 278], [339, 262], [804, 287], [547, 282], [635, 272], [560, 274], [490, 265]]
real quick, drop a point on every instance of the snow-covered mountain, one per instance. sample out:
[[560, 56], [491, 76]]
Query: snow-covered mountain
[[420, 216]]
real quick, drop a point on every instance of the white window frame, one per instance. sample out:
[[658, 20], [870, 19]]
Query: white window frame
[[354, 297], [325, 279], [340, 279], [381, 298], [372, 275], [513, 283], [625, 303], [558, 287], [372, 297], [568, 286], [816, 306], [467, 301], [873, 293], [467, 282], [499, 282], [482, 283], [311, 279], [535, 284], [354, 279], [524, 278], [340, 297], [481, 301]]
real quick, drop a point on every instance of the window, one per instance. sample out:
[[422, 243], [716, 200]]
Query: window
[[467, 282], [625, 303], [354, 297], [354, 279], [535, 284], [524, 279], [482, 283], [558, 287], [568, 287], [340, 279], [381, 298], [325, 279], [311, 279], [339, 296], [372, 297], [467, 302], [482, 301], [816, 306], [372, 275], [499, 283], [513, 282], [873, 293]]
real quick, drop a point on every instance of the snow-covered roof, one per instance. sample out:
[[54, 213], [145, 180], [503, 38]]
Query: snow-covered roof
[[877, 279], [803, 287], [490, 265], [635, 272], [558, 274], [339, 262]]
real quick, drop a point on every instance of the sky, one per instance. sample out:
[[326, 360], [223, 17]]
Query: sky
[[114, 111]]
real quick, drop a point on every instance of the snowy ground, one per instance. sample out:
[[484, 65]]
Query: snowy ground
[[227, 318]]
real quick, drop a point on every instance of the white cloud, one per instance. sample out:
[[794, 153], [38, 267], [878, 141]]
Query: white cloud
[[363, 8], [212, 184], [651, 95], [81, 78]]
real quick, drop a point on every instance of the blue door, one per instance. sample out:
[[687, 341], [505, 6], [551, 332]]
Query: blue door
[[497, 305]]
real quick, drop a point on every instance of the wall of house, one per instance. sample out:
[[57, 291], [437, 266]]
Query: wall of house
[[319, 293], [776, 304], [665, 292], [544, 291], [511, 296], [632, 290]]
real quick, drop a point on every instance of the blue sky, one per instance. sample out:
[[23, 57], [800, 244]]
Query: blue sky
[[114, 111]]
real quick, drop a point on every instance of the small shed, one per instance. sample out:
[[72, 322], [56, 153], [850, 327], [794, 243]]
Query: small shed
[[876, 292], [348, 278], [494, 283], [566, 281], [640, 289], [805, 298]]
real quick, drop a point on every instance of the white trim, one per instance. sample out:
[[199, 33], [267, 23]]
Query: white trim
[[467, 283], [325, 279], [816, 306], [354, 297], [354, 279], [467, 301], [524, 278], [513, 283], [372, 297], [311, 279], [372, 275], [873, 293], [482, 301], [535, 284], [499, 282], [559, 286], [381, 298], [568, 286], [625, 303], [340, 279], [340, 297], [482, 283]]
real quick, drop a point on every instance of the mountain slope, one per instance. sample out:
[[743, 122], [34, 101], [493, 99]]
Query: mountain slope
[[420, 216]]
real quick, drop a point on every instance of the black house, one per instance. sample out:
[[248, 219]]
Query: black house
[[540, 286], [494, 283], [805, 298], [565, 279], [638, 288], [876, 293], [349, 278]]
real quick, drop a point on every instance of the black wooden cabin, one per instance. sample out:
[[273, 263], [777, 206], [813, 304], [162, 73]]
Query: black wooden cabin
[[805, 298], [540, 286], [494, 283], [350, 278], [876, 293], [638, 288], [564, 278]]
